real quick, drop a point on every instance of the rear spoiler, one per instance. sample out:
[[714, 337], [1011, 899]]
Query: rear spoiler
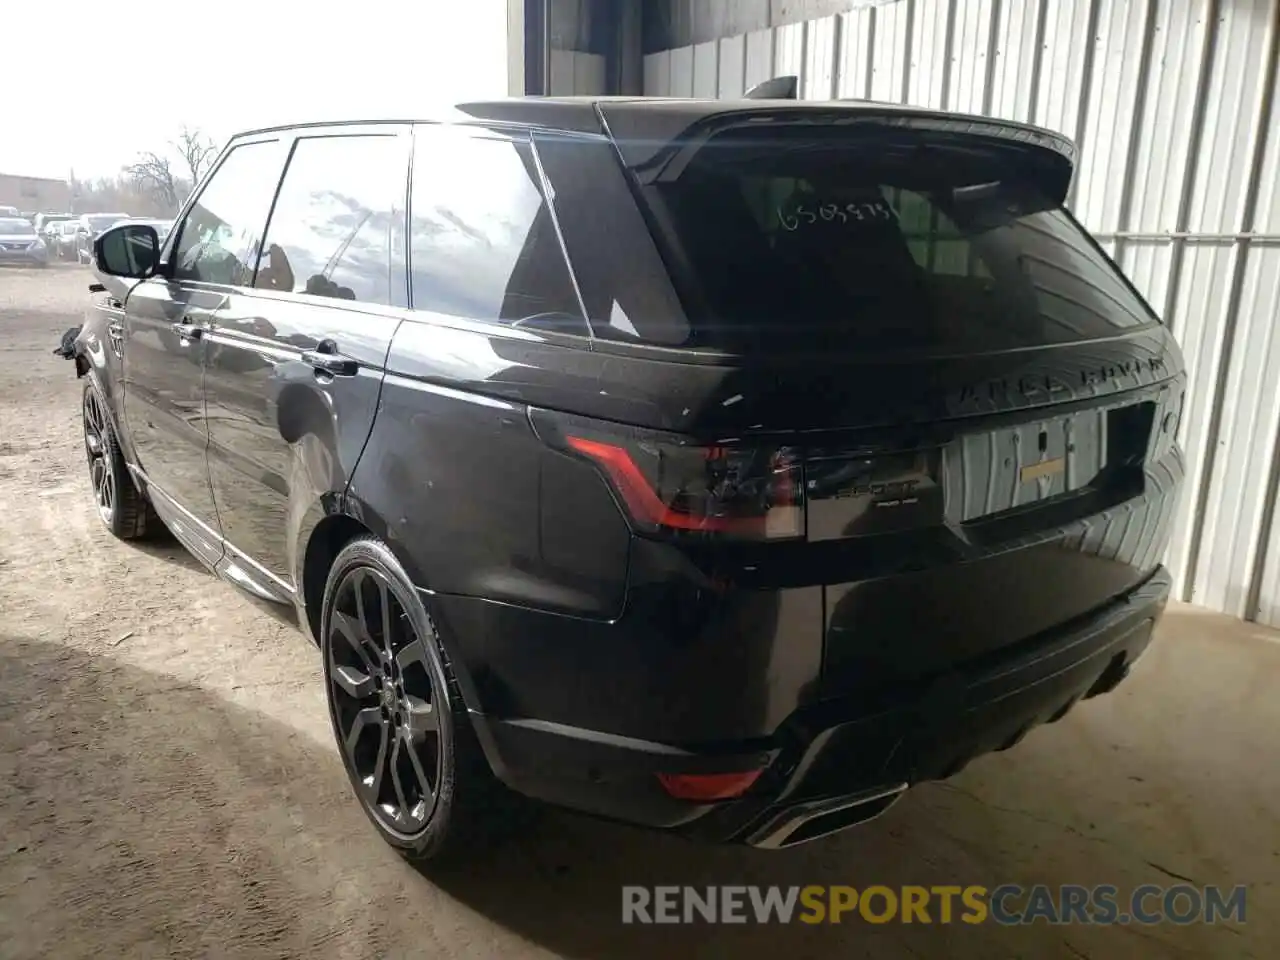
[[656, 144]]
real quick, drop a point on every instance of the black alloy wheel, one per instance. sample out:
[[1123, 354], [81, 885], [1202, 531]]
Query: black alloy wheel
[[97, 448], [120, 505], [397, 714], [385, 702]]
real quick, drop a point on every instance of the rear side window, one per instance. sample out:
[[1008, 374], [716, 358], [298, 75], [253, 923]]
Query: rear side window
[[331, 229], [223, 230], [622, 278], [483, 245], [897, 240]]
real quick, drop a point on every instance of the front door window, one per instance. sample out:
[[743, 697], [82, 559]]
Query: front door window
[[221, 234]]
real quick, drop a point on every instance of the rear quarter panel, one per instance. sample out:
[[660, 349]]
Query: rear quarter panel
[[469, 497]]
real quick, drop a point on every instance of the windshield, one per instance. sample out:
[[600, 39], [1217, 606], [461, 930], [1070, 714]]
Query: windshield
[[13, 226], [890, 241], [98, 224]]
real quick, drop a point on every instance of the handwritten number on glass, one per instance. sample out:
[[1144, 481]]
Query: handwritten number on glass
[[803, 214]]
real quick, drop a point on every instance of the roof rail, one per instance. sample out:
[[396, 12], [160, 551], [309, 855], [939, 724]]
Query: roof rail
[[778, 88]]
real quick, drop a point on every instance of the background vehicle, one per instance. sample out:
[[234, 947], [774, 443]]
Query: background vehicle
[[19, 243], [11, 212], [65, 239], [88, 226], [43, 221], [724, 468]]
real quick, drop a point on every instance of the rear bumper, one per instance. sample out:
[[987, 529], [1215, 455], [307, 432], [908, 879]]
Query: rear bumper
[[835, 763]]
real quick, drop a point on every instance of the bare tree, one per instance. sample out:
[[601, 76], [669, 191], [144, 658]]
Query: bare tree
[[154, 174], [197, 151]]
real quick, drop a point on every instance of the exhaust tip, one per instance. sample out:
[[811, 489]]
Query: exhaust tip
[[821, 818]]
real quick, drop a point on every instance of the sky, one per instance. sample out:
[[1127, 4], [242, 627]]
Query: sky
[[229, 66]]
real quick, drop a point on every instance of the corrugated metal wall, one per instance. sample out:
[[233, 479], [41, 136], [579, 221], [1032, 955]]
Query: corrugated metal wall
[[1172, 104], [574, 73]]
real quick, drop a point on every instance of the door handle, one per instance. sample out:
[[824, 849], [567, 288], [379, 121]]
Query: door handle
[[189, 331], [326, 359]]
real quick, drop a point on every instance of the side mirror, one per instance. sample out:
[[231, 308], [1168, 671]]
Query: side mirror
[[131, 250]]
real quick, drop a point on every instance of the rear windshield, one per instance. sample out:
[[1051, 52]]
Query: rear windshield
[[98, 224], [887, 241]]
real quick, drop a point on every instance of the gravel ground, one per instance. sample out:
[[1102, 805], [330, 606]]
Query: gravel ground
[[168, 787]]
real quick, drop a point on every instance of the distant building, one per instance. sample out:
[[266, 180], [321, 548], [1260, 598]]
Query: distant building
[[39, 194]]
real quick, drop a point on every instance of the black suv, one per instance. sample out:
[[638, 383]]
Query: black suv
[[720, 467]]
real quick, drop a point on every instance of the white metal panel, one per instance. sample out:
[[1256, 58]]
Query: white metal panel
[[1202, 299], [1104, 148], [760, 50], [971, 40], [1017, 54], [929, 55], [818, 77], [788, 50], [561, 81], [1062, 65], [1170, 94], [681, 72], [706, 69], [1246, 444], [890, 55], [657, 74], [588, 74], [1268, 611], [733, 67], [1237, 551], [576, 74], [1147, 264], [1227, 144], [1231, 121], [856, 58]]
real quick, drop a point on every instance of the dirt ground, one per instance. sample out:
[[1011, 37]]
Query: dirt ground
[[168, 786]]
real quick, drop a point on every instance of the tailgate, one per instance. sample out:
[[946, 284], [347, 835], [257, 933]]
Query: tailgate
[[947, 552]]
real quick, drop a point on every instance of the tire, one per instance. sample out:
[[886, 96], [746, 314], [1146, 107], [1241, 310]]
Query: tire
[[413, 725], [121, 505]]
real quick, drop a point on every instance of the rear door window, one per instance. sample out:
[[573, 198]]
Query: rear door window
[[890, 241], [334, 219]]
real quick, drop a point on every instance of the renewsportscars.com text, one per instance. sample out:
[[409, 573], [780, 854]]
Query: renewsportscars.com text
[[1007, 904]]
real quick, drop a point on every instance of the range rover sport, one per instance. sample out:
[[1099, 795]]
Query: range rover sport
[[724, 468]]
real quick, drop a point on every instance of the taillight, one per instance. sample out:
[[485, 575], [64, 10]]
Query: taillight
[[668, 483]]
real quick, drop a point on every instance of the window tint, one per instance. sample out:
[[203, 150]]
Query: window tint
[[483, 244], [891, 241], [330, 232], [220, 235]]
